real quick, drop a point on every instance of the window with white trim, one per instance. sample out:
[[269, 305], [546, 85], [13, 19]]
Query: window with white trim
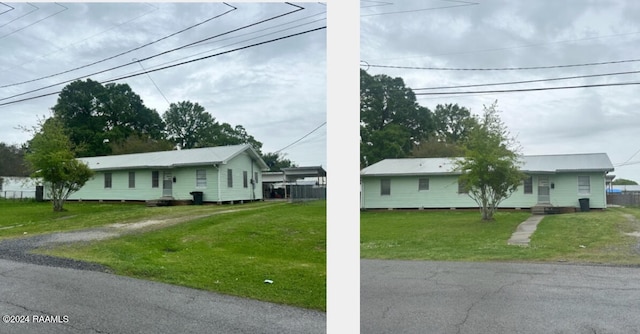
[[584, 185], [385, 187], [132, 179], [201, 178], [107, 180], [528, 185], [230, 178], [423, 184]]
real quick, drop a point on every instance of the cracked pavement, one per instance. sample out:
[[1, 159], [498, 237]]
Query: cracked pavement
[[470, 298]]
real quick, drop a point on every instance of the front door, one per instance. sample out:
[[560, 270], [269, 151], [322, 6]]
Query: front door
[[543, 189], [167, 185]]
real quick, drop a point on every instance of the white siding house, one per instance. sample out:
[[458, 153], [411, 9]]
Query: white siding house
[[222, 174], [554, 180]]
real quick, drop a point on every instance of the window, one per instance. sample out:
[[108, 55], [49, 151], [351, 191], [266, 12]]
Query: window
[[462, 187], [245, 179], [584, 185], [230, 178], [255, 178], [107, 180], [385, 187], [423, 184], [201, 178], [132, 179], [528, 185], [155, 179]]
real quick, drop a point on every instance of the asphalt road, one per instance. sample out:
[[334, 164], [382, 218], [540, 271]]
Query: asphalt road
[[65, 300], [469, 298]]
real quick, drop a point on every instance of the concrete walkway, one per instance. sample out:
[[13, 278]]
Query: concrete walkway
[[522, 235]]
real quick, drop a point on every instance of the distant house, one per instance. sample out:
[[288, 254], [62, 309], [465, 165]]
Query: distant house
[[222, 174], [553, 181], [17, 187]]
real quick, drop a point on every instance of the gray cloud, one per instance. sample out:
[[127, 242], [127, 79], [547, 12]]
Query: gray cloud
[[268, 87], [522, 34]]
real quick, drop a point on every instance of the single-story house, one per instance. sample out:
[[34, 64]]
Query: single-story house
[[553, 181], [222, 174]]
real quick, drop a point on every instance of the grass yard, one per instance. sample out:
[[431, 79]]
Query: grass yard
[[231, 253], [30, 217], [594, 237]]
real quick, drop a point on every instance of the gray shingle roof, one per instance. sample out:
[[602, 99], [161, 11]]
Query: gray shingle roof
[[169, 159], [590, 162]]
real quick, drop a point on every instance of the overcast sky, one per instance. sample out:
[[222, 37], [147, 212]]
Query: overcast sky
[[514, 34], [277, 91]]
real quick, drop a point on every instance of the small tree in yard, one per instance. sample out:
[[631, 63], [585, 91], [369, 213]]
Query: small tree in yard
[[490, 166], [51, 157]]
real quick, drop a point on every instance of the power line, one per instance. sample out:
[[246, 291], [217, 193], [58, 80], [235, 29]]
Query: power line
[[154, 83], [303, 137], [529, 81], [175, 65], [23, 15], [123, 53], [503, 68], [36, 22], [631, 157], [162, 53], [533, 89], [82, 40], [221, 47], [465, 3], [6, 11]]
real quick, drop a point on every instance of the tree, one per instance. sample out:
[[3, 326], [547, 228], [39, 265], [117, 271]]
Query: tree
[[489, 168], [437, 149], [625, 182], [227, 135], [140, 144], [189, 125], [51, 156], [386, 102], [94, 115], [452, 123], [276, 161], [12, 160]]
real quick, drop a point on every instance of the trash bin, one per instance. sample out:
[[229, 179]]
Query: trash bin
[[584, 204], [197, 197]]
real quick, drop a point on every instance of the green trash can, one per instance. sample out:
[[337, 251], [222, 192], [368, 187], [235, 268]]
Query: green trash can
[[584, 204], [197, 197]]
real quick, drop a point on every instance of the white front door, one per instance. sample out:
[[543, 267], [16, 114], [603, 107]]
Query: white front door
[[167, 184], [544, 196]]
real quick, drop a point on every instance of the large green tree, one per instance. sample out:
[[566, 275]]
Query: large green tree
[[95, 116], [189, 125], [389, 115], [452, 123], [490, 167], [51, 157], [625, 182]]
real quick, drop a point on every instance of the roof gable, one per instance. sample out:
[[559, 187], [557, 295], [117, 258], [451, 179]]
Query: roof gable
[[176, 158], [591, 162]]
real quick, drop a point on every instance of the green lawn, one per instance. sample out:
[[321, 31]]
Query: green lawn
[[594, 237], [18, 217], [231, 253]]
